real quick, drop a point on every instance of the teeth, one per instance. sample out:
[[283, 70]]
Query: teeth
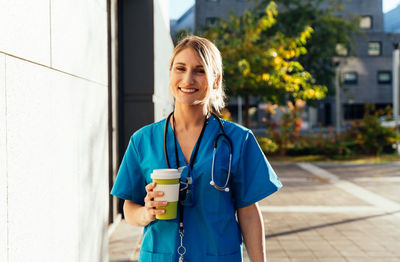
[[188, 90]]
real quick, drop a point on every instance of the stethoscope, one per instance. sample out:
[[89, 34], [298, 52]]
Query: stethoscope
[[192, 160]]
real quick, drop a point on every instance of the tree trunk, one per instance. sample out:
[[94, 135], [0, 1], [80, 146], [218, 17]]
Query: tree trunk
[[246, 111]]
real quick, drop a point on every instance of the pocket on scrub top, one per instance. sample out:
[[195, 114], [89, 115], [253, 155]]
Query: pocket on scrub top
[[217, 200], [146, 256], [235, 257]]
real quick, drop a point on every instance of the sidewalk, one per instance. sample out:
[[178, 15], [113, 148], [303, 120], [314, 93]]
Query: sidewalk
[[124, 242], [323, 213]]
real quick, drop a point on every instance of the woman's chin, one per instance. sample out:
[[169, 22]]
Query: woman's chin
[[190, 102]]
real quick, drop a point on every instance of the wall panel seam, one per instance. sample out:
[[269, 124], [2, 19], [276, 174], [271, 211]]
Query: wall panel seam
[[51, 38], [54, 69], [6, 156]]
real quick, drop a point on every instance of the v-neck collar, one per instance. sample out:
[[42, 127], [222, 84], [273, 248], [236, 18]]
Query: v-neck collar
[[171, 138]]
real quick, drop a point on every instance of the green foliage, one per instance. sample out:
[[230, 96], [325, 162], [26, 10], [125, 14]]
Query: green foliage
[[364, 137], [369, 135], [289, 125], [328, 31], [267, 145], [260, 63]]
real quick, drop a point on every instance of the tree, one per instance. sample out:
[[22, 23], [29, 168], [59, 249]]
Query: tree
[[328, 30], [262, 63]]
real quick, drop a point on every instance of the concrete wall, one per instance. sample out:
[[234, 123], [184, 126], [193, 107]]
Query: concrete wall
[[53, 131], [367, 70], [163, 46]]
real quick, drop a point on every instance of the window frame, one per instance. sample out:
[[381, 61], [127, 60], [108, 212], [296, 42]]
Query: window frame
[[389, 82], [344, 49], [350, 82], [371, 19], [380, 48], [208, 19]]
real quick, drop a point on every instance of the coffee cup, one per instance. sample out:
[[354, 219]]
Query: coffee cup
[[167, 181]]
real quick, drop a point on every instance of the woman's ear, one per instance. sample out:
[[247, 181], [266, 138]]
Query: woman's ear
[[217, 81]]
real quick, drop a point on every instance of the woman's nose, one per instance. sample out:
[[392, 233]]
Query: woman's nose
[[188, 78]]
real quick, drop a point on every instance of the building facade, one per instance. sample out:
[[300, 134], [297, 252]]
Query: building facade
[[185, 21], [77, 78], [365, 70], [53, 131]]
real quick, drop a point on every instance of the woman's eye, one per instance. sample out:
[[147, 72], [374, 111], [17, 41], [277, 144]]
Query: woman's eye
[[180, 68], [201, 71]]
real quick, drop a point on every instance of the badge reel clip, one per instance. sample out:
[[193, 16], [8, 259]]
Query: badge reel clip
[[186, 189]]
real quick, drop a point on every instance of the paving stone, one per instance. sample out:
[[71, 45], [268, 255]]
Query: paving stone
[[332, 259], [325, 236]]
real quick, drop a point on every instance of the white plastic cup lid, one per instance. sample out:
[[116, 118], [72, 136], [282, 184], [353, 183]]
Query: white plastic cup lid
[[166, 173]]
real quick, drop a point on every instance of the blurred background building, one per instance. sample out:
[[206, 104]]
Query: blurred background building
[[185, 21], [365, 70]]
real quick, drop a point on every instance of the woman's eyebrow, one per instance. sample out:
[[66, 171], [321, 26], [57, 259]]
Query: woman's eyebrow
[[182, 63]]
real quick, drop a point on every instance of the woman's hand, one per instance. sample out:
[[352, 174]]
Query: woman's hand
[[138, 215], [151, 205]]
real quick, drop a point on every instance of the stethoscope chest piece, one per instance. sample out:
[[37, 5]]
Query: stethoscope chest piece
[[221, 135]]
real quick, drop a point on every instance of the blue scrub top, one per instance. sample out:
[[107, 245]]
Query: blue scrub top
[[211, 232]]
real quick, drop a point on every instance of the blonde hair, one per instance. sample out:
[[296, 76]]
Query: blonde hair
[[212, 63]]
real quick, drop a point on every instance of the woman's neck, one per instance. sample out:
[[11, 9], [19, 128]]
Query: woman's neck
[[189, 116]]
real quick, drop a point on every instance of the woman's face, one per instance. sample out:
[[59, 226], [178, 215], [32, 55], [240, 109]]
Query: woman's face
[[188, 80]]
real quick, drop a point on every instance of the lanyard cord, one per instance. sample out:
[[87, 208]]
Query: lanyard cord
[[176, 147], [181, 249], [196, 149], [191, 162]]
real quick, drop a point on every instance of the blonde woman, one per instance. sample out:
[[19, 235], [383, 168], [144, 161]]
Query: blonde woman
[[226, 171]]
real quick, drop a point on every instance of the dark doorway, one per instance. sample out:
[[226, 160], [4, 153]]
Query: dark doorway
[[135, 70]]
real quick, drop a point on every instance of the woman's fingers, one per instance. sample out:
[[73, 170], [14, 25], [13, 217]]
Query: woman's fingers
[[150, 204], [156, 211], [150, 187], [156, 203], [152, 194]]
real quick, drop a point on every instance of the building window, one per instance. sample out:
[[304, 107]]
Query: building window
[[384, 77], [212, 0], [341, 50], [350, 78], [353, 111], [374, 48], [211, 20], [366, 22]]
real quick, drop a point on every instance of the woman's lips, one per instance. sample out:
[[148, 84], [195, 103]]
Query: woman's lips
[[188, 90]]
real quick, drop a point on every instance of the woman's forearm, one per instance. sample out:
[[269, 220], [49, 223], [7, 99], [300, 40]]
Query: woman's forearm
[[252, 228]]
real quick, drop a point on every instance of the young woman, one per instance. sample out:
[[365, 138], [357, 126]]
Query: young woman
[[221, 205]]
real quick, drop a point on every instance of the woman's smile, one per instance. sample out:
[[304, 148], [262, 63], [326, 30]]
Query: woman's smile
[[188, 80], [188, 90]]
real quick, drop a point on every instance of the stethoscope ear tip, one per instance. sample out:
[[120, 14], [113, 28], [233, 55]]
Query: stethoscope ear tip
[[226, 189], [212, 183]]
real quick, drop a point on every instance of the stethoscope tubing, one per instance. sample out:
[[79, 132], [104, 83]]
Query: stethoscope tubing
[[223, 134]]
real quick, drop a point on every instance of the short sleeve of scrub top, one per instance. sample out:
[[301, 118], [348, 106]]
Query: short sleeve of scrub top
[[130, 184], [255, 179]]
